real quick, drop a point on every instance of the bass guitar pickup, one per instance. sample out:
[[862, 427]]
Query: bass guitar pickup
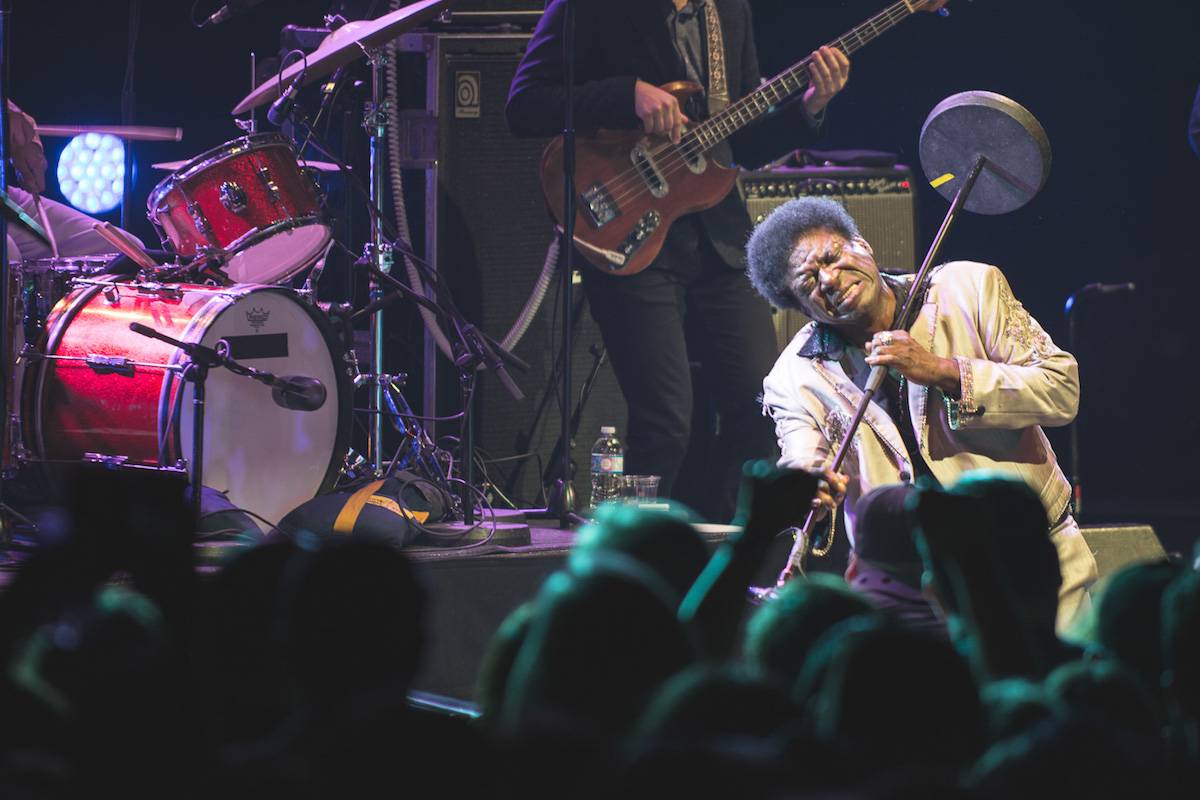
[[647, 167], [643, 230], [599, 204]]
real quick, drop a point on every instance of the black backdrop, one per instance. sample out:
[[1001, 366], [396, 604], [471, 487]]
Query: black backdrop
[[1111, 83]]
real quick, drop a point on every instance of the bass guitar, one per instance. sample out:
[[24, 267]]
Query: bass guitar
[[633, 186]]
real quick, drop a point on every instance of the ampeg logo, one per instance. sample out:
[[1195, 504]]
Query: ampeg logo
[[466, 95], [257, 317]]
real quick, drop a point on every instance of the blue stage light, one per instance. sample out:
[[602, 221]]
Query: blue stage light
[[91, 172]]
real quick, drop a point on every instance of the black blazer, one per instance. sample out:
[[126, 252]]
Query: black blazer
[[618, 42]]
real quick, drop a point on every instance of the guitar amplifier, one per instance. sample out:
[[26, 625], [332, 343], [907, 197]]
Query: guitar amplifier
[[880, 199], [484, 13]]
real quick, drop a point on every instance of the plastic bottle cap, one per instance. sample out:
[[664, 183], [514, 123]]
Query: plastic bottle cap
[[607, 429]]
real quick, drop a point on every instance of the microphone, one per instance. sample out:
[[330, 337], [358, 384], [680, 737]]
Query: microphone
[[298, 392], [282, 107], [1098, 288], [231, 9]]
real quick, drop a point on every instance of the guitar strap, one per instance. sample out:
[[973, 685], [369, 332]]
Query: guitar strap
[[718, 85]]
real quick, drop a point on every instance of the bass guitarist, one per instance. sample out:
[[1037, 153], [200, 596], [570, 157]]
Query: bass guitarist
[[624, 50]]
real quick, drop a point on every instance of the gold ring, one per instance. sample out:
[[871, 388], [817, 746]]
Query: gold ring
[[886, 339]]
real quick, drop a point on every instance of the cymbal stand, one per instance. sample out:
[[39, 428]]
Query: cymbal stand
[[7, 432], [379, 251]]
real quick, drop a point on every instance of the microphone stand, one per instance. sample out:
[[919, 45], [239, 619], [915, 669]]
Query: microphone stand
[[598, 353], [798, 556], [8, 439], [1076, 483], [1069, 311], [559, 494]]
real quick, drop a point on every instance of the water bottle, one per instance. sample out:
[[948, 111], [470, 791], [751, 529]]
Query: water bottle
[[608, 465]]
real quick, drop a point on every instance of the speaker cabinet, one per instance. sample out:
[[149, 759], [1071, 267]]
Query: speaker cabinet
[[880, 199], [487, 230], [1116, 546]]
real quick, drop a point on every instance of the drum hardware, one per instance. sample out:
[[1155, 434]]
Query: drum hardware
[[378, 252], [314, 275], [264, 175], [396, 381], [17, 448], [104, 365], [107, 460], [473, 351], [353, 463], [167, 290], [232, 196]]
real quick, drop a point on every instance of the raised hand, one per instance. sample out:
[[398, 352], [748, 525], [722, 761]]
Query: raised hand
[[772, 499]]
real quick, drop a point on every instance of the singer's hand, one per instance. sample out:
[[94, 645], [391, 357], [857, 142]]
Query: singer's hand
[[831, 491], [899, 351]]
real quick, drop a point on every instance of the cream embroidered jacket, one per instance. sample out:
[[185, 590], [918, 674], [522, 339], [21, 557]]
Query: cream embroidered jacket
[[1014, 380]]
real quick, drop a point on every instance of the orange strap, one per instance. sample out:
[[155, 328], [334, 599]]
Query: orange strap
[[348, 516]]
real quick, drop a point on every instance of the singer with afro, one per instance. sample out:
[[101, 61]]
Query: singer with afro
[[969, 385]]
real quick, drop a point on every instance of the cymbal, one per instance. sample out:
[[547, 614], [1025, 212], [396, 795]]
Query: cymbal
[[322, 166], [343, 46], [145, 133]]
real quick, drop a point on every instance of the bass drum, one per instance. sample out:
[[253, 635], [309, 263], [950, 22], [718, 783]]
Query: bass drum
[[103, 391]]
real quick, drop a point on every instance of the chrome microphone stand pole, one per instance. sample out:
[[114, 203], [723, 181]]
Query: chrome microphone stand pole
[[379, 250]]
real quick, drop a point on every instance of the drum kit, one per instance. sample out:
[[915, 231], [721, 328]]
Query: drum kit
[[162, 369]]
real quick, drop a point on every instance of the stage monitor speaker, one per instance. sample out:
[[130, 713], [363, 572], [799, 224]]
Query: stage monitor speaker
[[487, 230], [880, 199], [1116, 546]]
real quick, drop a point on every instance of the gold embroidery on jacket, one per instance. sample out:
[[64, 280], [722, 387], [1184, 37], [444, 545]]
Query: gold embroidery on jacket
[[1022, 328]]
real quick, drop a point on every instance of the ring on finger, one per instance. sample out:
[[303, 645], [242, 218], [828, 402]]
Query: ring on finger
[[886, 339]]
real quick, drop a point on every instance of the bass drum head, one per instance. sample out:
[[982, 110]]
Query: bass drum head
[[279, 253], [267, 458]]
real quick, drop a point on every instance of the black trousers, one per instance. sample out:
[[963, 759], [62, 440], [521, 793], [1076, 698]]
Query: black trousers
[[642, 320]]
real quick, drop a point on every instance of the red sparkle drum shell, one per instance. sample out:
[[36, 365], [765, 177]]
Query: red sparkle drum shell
[[267, 458], [246, 203]]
